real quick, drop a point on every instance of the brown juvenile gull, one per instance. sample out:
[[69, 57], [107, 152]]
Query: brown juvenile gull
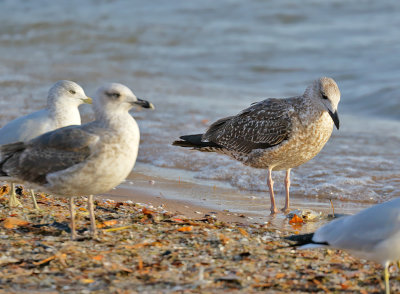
[[81, 160], [61, 110], [275, 134]]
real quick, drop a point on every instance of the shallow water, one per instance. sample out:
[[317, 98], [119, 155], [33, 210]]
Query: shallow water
[[198, 61]]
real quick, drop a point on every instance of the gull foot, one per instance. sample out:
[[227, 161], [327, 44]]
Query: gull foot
[[14, 202], [94, 234]]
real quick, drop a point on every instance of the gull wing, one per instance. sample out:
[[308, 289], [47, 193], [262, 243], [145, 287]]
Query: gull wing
[[48, 153], [362, 231], [263, 125]]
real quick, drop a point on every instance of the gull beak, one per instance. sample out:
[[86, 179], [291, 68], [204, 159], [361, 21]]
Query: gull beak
[[143, 103], [335, 117], [87, 100]]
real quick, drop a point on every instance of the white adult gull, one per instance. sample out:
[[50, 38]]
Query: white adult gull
[[275, 134], [373, 234], [61, 110], [81, 160]]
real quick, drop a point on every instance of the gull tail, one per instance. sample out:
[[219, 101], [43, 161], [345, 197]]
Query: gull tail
[[305, 241], [195, 142], [8, 153]]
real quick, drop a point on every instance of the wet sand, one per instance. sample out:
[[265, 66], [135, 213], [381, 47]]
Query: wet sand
[[200, 200], [195, 201], [182, 208]]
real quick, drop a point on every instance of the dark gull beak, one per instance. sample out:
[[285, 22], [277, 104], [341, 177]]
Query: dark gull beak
[[143, 103], [335, 117]]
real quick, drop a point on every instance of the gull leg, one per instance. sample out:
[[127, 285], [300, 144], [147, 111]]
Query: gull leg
[[271, 191], [93, 228], [34, 200], [13, 201], [287, 186], [72, 214], [387, 287]]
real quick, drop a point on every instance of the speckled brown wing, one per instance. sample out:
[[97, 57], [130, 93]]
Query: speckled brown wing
[[50, 152], [262, 125]]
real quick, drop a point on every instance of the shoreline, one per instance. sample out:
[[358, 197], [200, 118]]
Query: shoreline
[[195, 201], [180, 207], [228, 205]]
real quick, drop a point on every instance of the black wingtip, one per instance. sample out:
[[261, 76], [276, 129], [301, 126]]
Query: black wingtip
[[189, 141], [182, 143], [7, 151], [304, 239], [195, 141], [301, 239]]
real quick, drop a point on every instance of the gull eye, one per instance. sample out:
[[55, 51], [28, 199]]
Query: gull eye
[[72, 92], [113, 95], [324, 96]]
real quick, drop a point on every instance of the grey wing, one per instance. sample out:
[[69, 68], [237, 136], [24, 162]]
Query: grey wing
[[50, 152], [262, 125], [364, 230]]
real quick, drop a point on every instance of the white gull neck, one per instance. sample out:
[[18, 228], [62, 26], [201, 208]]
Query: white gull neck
[[64, 113]]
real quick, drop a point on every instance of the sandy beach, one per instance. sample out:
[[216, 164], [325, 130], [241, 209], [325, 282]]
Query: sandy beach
[[150, 244]]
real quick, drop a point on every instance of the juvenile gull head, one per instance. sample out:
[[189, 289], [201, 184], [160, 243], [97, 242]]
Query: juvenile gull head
[[326, 94]]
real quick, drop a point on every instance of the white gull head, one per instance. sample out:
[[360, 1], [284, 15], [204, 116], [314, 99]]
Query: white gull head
[[116, 98], [66, 94]]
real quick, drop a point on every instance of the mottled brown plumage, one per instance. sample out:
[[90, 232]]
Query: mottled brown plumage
[[262, 125], [276, 134]]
